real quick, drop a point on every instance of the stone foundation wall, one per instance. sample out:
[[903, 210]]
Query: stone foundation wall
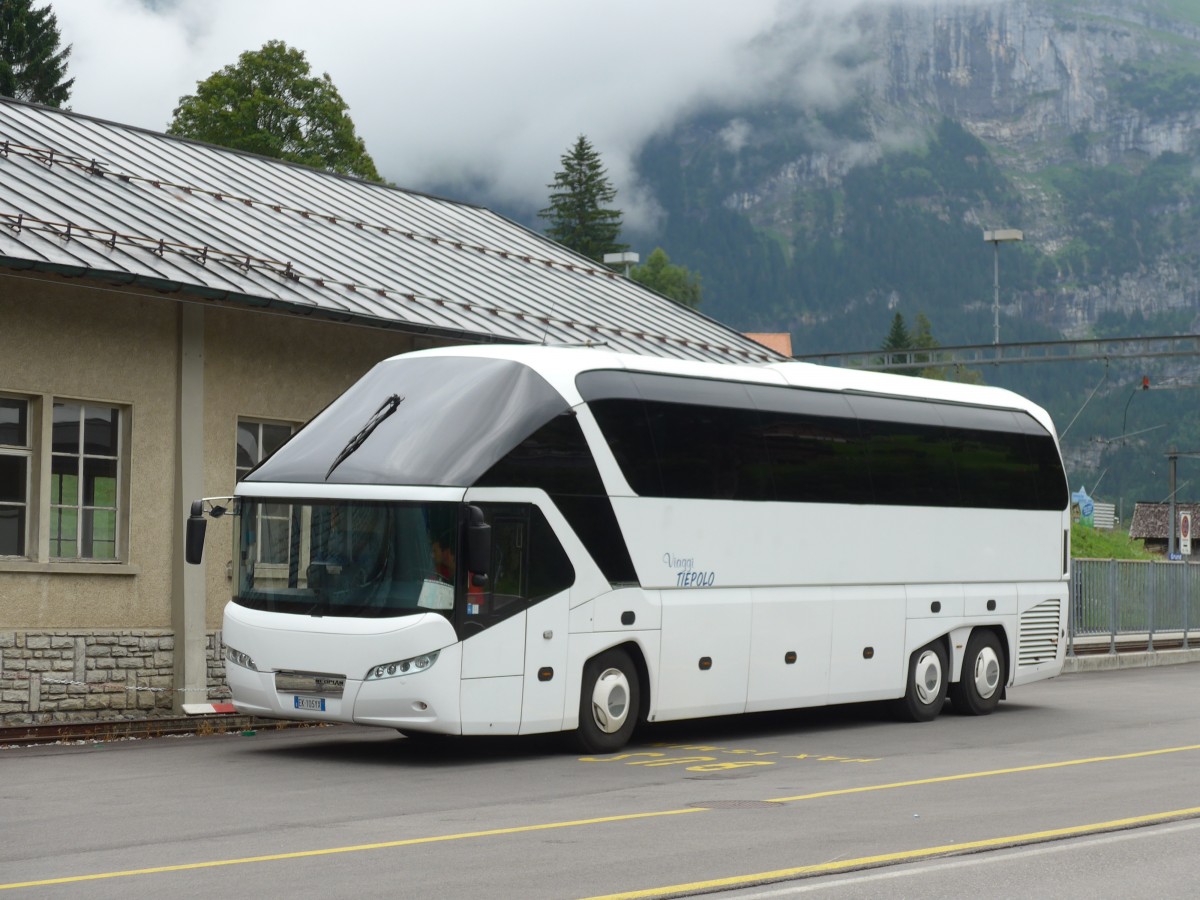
[[70, 676]]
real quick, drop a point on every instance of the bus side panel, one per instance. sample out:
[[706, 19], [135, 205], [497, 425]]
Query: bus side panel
[[493, 667], [499, 650], [868, 660], [789, 648], [491, 705], [547, 640], [767, 543], [705, 652]]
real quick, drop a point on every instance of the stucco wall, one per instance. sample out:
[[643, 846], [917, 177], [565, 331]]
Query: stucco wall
[[72, 341], [88, 341]]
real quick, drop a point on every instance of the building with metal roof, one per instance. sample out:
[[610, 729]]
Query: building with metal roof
[[169, 313], [133, 207]]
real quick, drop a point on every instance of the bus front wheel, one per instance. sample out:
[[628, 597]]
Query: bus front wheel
[[978, 691], [925, 693], [608, 703]]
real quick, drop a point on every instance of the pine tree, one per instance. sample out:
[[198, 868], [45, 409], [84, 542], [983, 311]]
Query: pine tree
[[898, 337], [31, 64], [579, 216], [897, 344]]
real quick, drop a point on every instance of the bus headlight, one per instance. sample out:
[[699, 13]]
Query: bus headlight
[[238, 658], [402, 667]]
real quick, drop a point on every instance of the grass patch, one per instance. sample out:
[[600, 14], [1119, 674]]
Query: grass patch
[[1089, 543]]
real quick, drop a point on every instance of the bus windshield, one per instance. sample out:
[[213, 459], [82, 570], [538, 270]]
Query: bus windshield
[[346, 558]]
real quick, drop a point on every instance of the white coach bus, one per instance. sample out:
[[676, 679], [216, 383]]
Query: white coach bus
[[511, 540]]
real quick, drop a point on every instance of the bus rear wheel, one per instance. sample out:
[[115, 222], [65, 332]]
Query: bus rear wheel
[[978, 691], [609, 703], [925, 693]]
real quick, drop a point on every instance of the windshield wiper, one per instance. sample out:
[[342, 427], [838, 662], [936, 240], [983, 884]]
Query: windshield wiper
[[388, 407]]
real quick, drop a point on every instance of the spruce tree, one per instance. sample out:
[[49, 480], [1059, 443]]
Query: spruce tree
[[897, 342], [898, 337], [32, 67], [579, 215]]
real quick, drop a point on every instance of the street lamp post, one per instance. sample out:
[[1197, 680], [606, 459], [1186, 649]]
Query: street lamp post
[[996, 238]]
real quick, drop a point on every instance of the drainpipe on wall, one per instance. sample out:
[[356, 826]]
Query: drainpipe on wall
[[188, 606]]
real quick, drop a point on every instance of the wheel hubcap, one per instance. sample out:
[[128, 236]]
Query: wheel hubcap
[[928, 677], [610, 701], [987, 672]]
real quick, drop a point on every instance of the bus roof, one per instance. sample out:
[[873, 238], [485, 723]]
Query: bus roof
[[560, 365]]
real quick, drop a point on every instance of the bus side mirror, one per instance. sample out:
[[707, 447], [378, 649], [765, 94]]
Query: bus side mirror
[[479, 545], [194, 538]]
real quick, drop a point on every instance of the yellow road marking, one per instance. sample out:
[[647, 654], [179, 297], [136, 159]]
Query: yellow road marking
[[301, 854], [941, 779], [523, 829], [842, 865]]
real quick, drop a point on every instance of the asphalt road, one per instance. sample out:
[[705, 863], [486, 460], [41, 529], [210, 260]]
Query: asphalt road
[[1085, 786]]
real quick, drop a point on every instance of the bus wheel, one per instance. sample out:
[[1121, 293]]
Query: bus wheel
[[926, 691], [978, 691], [608, 703]]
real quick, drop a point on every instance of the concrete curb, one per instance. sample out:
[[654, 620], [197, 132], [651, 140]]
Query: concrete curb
[[1103, 662]]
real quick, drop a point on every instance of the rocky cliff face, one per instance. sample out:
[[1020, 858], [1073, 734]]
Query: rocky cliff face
[[1043, 83], [1027, 75]]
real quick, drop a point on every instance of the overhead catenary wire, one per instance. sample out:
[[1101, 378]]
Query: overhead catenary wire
[[1104, 378]]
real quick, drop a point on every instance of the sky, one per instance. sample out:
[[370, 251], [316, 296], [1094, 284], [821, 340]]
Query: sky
[[478, 99]]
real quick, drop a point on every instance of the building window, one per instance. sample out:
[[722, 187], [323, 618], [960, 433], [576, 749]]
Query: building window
[[84, 488], [255, 442], [15, 451]]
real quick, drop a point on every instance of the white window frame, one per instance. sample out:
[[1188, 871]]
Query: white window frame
[[40, 508], [61, 509]]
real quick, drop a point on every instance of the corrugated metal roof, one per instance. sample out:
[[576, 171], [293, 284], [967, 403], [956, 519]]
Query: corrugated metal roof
[[82, 196]]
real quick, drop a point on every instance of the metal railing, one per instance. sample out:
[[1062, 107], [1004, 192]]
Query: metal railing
[[1133, 600]]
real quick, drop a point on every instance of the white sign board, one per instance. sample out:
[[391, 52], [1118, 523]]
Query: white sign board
[[1185, 533]]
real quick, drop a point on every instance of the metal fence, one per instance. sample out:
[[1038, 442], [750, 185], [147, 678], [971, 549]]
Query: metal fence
[[1133, 601]]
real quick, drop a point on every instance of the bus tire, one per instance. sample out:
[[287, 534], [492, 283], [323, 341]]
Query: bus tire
[[609, 703], [978, 690], [925, 690]]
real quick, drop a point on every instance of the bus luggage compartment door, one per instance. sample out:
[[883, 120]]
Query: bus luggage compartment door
[[705, 652]]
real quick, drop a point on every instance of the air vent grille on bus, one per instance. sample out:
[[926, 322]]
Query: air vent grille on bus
[[1039, 633]]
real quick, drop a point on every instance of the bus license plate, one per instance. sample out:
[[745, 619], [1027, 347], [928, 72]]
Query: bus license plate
[[314, 703]]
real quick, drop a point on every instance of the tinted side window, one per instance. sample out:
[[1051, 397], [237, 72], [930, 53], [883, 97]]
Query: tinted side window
[[627, 431], [909, 452], [687, 437], [557, 459], [528, 565], [1052, 491], [709, 452], [813, 445], [595, 524]]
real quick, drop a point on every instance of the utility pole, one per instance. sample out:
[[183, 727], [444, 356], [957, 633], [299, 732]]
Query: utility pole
[[1172, 461], [1172, 515]]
